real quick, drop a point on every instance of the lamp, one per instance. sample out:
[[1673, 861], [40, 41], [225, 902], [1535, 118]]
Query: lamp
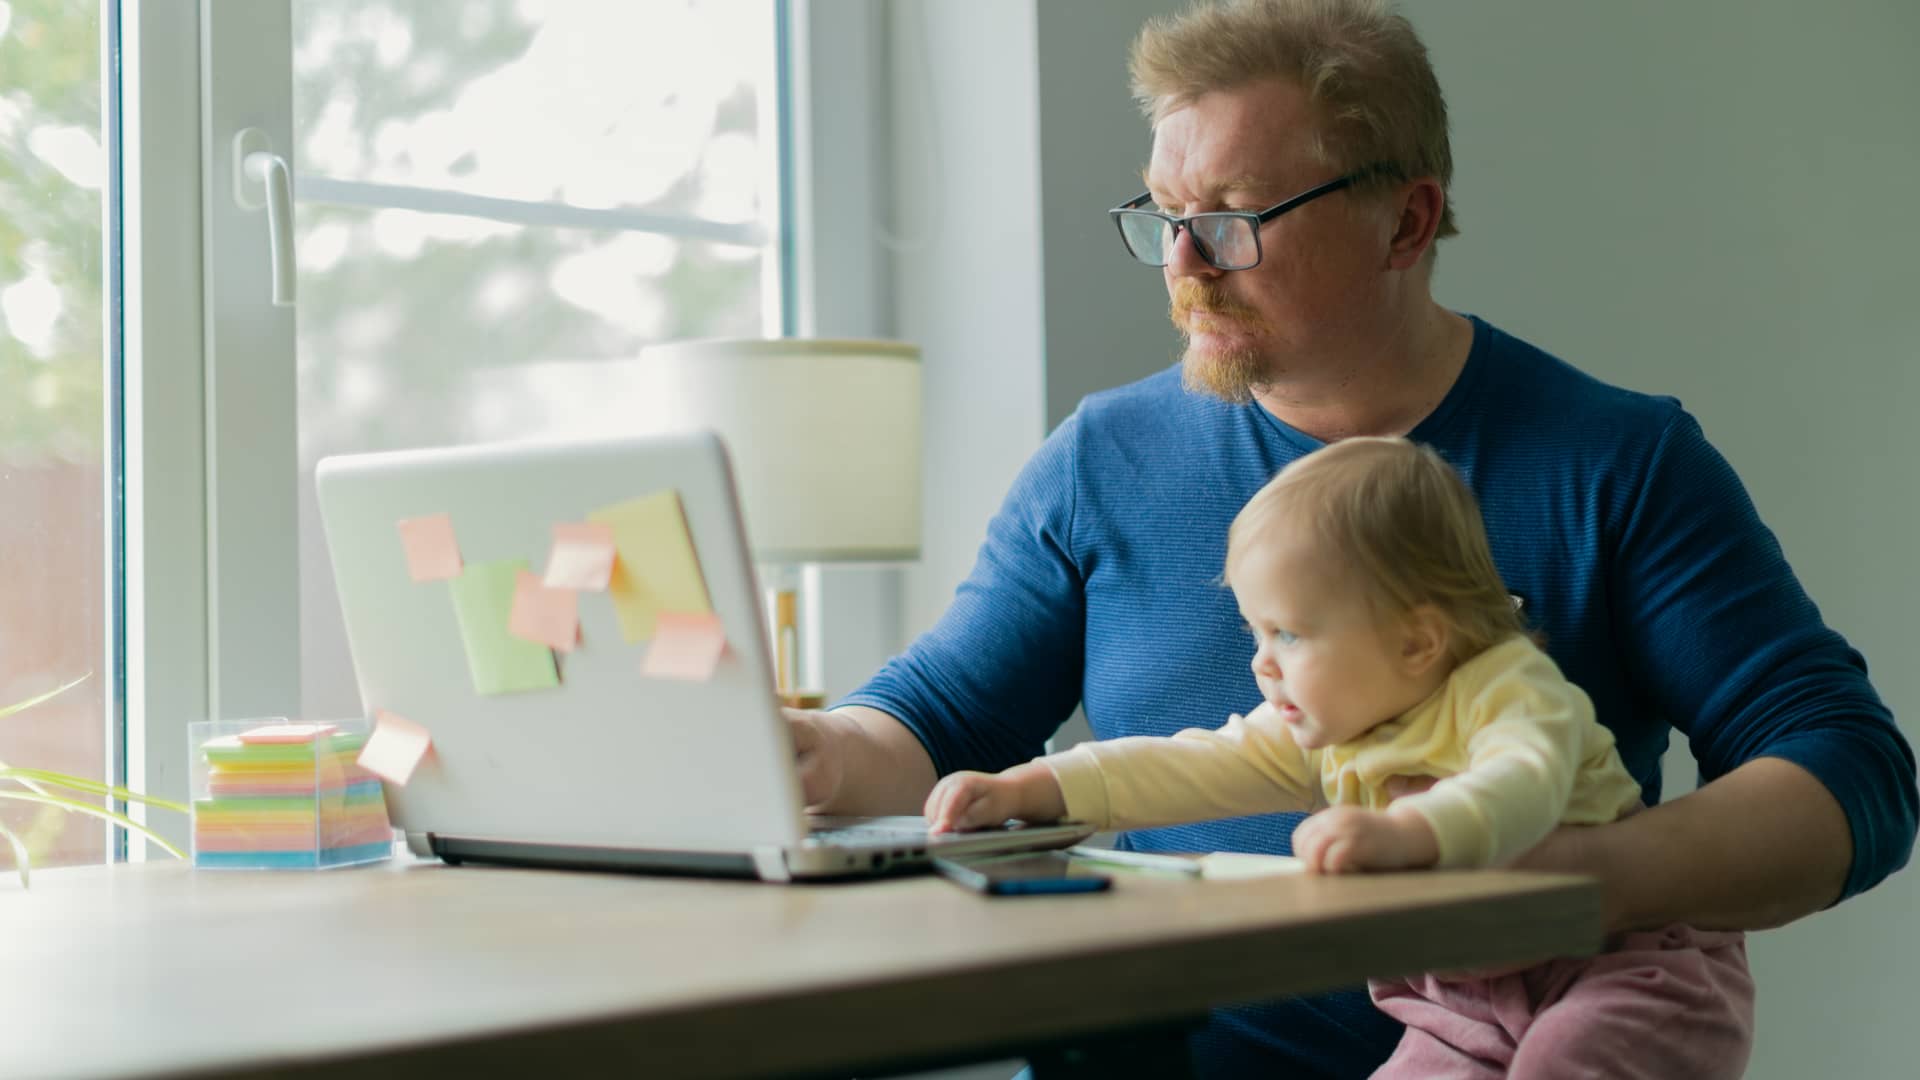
[[825, 441]]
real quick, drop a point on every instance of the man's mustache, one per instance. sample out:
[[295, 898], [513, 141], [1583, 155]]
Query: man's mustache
[[1200, 296]]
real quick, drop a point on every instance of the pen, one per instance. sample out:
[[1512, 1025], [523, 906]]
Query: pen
[[1137, 860]]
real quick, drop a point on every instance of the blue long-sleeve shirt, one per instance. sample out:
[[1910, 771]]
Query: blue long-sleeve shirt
[[1633, 545]]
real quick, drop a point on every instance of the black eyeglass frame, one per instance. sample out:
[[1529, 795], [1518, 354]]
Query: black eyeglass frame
[[1256, 218]]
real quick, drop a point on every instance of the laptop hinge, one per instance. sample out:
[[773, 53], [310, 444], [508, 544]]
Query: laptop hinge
[[771, 864]]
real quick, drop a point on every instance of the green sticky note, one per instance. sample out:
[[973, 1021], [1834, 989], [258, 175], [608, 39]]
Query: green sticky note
[[655, 568], [499, 662]]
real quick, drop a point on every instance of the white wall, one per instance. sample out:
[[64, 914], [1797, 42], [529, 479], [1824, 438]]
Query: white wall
[[966, 264], [1715, 201]]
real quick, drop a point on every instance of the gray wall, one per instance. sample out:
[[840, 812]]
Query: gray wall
[[1106, 315], [1715, 201]]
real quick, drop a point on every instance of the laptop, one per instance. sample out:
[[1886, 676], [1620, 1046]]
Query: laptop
[[603, 767]]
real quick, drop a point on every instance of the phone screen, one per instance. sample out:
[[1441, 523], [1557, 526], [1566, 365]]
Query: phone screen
[[1023, 874]]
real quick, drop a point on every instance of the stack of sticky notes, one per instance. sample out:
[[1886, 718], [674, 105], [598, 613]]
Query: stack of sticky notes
[[287, 796]]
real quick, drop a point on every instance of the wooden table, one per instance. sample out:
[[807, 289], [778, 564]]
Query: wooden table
[[418, 969]]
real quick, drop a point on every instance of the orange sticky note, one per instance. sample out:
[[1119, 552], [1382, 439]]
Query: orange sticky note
[[549, 617], [433, 552], [581, 558], [396, 747], [686, 645]]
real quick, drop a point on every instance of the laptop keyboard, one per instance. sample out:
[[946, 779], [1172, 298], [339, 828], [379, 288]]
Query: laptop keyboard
[[868, 835]]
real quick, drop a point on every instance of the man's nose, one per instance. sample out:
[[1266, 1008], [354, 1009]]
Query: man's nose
[[1185, 261]]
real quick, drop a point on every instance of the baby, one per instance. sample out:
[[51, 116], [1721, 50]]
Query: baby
[[1390, 658]]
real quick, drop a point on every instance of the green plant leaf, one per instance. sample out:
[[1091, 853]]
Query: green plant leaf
[[21, 858], [22, 706], [78, 807], [28, 784], [81, 783]]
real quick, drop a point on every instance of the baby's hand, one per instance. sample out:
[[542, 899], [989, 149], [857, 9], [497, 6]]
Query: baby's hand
[[1347, 839], [975, 800]]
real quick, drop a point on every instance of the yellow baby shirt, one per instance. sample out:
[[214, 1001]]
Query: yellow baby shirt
[[1514, 745]]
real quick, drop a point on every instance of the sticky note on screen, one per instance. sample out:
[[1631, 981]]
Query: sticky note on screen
[[656, 569], [395, 749], [544, 616], [433, 552], [499, 662], [581, 557], [686, 645]]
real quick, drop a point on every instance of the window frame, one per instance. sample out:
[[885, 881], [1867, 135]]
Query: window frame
[[210, 593]]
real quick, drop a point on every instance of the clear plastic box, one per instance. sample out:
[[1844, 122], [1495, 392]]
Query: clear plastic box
[[273, 795]]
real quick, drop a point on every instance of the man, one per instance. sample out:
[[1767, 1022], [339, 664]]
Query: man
[[1628, 540]]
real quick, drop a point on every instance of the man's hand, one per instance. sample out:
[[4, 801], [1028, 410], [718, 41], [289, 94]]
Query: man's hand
[[1348, 839], [857, 760], [975, 800], [820, 768]]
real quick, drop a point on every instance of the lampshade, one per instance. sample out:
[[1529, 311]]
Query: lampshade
[[824, 435]]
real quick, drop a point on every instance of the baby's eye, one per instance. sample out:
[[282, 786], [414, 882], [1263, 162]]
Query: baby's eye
[[1285, 637]]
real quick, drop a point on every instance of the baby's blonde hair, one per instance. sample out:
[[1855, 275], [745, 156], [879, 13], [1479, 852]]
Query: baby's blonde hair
[[1402, 522]]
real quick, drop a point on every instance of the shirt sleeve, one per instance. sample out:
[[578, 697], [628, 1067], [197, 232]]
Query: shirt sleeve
[[1720, 637], [1523, 756], [1249, 766], [1001, 670]]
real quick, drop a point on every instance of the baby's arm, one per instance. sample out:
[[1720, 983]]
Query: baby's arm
[[1522, 759], [1249, 766]]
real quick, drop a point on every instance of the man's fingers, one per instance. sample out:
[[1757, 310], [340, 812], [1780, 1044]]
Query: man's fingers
[[806, 736]]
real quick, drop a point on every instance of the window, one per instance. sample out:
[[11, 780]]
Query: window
[[498, 204], [57, 379]]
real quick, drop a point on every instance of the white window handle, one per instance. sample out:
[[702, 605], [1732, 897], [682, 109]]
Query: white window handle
[[254, 162]]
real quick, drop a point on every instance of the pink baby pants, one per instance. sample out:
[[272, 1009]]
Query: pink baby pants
[[1661, 1005]]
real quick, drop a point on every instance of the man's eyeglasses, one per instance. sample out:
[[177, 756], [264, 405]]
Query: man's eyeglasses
[[1226, 239]]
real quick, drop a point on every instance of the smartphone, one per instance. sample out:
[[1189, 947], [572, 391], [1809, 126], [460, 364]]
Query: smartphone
[[1026, 874]]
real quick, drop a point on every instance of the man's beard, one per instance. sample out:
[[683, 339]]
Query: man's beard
[[1232, 375]]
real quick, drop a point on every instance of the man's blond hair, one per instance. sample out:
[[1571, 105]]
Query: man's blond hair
[[1363, 68], [1401, 523]]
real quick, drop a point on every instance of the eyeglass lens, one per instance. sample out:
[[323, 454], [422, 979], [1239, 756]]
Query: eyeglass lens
[[1225, 240]]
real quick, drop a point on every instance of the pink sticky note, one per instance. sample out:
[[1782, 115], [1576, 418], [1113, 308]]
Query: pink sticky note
[[686, 645], [272, 734], [395, 749], [582, 557], [433, 553], [549, 617]]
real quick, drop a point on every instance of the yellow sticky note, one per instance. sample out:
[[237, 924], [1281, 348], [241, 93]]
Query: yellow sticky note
[[656, 568], [499, 662], [395, 748], [685, 646]]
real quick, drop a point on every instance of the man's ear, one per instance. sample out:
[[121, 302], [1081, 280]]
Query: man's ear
[[1418, 223], [1427, 636]]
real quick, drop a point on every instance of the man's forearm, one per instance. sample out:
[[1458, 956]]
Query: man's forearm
[[887, 771], [1757, 848]]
